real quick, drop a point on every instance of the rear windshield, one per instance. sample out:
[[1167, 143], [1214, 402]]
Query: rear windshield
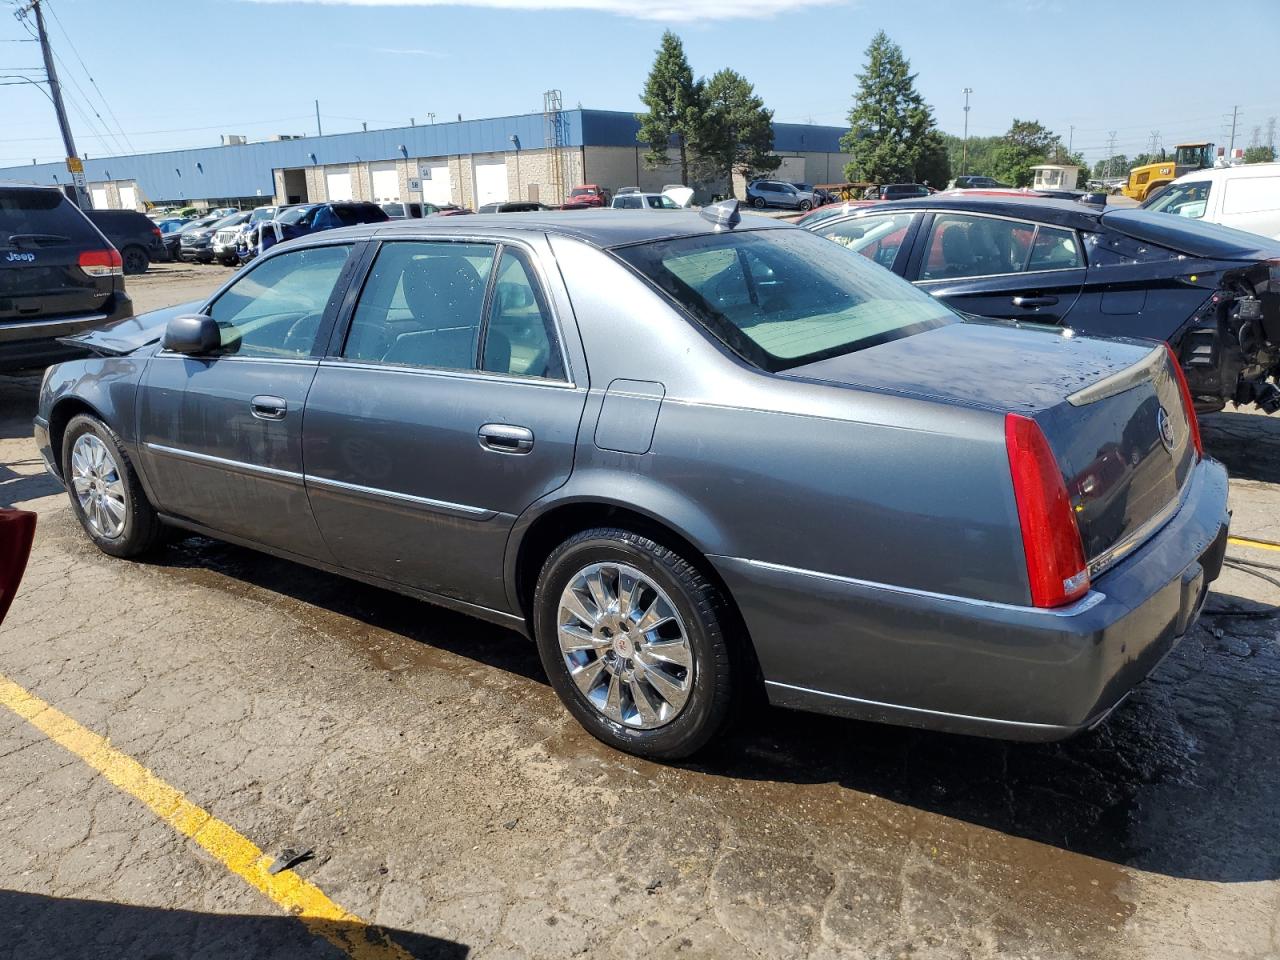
[[46, 217], [1199, 238], [359, 213], [783, 298]]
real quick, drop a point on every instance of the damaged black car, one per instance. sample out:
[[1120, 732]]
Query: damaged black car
[[1211, 292]]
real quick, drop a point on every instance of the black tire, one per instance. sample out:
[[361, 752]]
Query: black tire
[[806, 206], [142, 527], [135, 260], [758, 203], [704, 615]]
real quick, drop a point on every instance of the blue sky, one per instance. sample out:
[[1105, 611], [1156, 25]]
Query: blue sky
[[177, 73]]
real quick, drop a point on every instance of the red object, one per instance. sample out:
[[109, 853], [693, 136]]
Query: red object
[[102, 263], [17, 530], [156, 231], [1187, 403], [591, 195], [1056, 568]]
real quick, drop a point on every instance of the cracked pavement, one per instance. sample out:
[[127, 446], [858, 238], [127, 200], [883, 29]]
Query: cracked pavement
[[447, 796]]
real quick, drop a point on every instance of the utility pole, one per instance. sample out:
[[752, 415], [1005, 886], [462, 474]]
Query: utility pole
[[1071, 139], [1111, 151], [431, 117], [74, 164], [319, 132], [1155, 144], [964, 149], [1235, 115]]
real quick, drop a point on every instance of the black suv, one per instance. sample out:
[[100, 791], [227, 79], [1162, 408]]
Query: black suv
[[58, 276], [133, 234]]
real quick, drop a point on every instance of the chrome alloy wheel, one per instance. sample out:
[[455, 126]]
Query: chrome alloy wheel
[[625, 645], [98, 486]]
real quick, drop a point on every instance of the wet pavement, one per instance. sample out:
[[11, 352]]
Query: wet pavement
[[449, 798]]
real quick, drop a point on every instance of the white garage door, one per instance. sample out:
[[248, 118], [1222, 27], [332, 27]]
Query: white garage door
[[128, 198], [338, 184], [98, 197], [386, 181], [491, 181], [437, 183]]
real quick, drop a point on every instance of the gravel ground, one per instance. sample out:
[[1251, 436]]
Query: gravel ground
[[447, 796]]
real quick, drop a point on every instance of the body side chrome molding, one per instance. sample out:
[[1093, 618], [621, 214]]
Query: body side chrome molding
[[1087, 602], [239, 466], [392, 496], [921, 711]]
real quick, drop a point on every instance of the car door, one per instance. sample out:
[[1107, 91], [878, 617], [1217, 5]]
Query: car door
[[447, 408], [221, 435], [999, 267]]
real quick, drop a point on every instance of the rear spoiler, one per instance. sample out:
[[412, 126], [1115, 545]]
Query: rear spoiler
[[1122, 380]]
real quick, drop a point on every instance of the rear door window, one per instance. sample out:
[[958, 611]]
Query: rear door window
[[422, 305], [961, 246]]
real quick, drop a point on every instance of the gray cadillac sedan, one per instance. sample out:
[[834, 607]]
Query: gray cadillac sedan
[[693, 456]]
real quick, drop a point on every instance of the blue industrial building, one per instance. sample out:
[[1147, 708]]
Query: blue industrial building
[[468, 162]]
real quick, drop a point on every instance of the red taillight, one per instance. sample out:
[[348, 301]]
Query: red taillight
[[1056, 568], [156, 231], [1188, 404], [102, 263]]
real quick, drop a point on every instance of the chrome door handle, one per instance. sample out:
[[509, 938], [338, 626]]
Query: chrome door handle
[[1032, 302], [504, 438], [268, 408]]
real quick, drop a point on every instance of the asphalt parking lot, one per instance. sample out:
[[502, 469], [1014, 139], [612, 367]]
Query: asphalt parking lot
[[453, 809]]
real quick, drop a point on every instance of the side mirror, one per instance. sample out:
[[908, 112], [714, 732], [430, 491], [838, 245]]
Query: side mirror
[[192, 334]]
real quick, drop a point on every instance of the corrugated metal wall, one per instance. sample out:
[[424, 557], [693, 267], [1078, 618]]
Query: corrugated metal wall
[[245, 170]]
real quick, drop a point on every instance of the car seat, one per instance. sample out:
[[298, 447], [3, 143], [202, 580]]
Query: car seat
[[445, 295]]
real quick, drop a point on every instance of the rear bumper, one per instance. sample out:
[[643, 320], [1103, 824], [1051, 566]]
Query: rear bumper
[[872, 651], [33, 343]]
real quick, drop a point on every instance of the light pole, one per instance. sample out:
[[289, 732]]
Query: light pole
[[964, 149]]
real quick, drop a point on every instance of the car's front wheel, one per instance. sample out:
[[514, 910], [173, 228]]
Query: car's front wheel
[[105, 493], [806, 205], [632, 636]]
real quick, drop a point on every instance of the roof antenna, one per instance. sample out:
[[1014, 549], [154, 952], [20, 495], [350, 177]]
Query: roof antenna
[[724, 214]]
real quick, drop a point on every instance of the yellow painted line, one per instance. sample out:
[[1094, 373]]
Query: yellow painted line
[[1255, 544], [296, 896]]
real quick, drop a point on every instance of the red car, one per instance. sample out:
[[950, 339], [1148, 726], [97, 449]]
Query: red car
[[17, 530], [590, 195]]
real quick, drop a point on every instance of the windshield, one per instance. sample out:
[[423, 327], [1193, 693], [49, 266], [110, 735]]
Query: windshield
[[262, 213], [782, 298], [1183, 199], [582, 192]]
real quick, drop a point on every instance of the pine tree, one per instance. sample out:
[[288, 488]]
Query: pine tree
[[735, 131], [890, 125], [674, 106]]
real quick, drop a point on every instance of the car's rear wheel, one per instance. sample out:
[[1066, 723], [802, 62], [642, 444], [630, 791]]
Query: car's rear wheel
[[135, 260], [105, 493], [758, 202], [631, 635]]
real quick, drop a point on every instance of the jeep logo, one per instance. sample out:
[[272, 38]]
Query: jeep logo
[[21, 258]]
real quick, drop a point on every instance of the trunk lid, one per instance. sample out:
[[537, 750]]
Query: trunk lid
[[1111, 411], [41, 238]]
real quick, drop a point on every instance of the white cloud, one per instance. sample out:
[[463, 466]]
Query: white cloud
[[670, 11]]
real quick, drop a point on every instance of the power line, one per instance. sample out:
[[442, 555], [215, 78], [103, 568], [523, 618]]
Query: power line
[[71, 44]]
